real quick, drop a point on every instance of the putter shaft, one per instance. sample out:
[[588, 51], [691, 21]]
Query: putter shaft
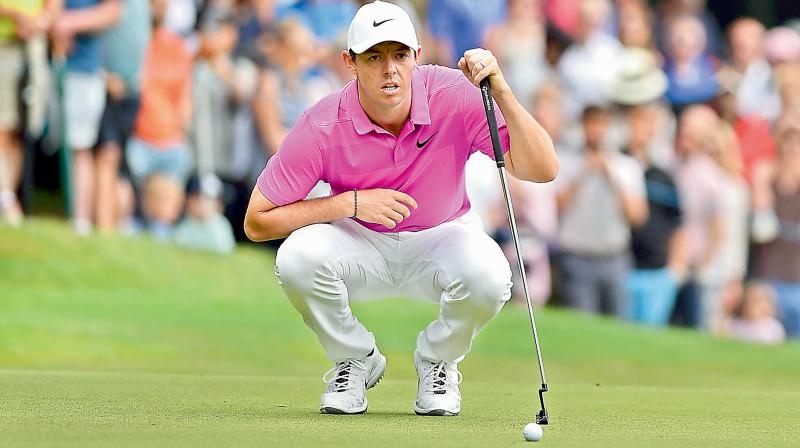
[[486, 94], [541, 418]]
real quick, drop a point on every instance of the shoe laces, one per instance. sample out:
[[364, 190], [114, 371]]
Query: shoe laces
[[342, 374], [437, 378]]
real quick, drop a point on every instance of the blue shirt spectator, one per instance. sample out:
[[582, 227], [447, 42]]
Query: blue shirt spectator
[[86, 55], [325, 18], [689, 67], [461, 24], [695, 84]]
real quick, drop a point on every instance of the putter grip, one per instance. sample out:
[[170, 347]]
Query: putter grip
[[488, 107]]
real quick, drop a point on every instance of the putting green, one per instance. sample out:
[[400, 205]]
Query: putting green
[[106, 341]]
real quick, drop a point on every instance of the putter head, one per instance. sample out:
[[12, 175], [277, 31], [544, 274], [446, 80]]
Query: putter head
[[541, 417]]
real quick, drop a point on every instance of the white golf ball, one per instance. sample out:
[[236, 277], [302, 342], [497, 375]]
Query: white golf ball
[[532, 432]]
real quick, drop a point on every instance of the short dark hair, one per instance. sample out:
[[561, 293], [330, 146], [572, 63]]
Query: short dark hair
[[594, 111]]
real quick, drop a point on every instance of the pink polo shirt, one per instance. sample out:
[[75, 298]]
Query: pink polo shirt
[[336, 142]]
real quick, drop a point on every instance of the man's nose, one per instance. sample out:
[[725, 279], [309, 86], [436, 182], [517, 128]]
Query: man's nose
[[389, 68]]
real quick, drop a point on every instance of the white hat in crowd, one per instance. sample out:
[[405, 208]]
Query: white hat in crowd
[[378, 22], [639, 80]]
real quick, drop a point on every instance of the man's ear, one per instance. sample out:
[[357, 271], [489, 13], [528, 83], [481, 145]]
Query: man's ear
[[419, 55], [349, 61]]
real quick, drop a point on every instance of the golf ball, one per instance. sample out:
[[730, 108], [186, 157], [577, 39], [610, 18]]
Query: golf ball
[[532, 432]]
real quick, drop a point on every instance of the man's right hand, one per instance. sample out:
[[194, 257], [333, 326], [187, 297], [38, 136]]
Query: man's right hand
[[383, 206]]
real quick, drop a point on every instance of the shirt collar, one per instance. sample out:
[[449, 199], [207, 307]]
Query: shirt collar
[[419, 114]]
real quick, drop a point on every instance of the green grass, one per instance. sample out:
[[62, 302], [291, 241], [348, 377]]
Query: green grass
[[106, 341]]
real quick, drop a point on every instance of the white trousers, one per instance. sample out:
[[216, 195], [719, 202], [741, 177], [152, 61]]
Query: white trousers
[[322, 267]]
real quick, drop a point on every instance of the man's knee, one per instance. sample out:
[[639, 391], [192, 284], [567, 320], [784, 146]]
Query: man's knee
[[305, 256], [484, 286]]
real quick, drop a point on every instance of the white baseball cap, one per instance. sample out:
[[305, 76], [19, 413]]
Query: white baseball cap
[[378, 22]]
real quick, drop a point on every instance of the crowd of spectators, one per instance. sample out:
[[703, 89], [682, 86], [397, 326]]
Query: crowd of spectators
[[678, 198]]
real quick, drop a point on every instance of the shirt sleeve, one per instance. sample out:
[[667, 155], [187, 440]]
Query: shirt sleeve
[[476, 126], [295, 168]]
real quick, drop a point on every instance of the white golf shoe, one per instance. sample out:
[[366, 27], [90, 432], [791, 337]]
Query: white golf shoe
[[437, 390], [348, 382]]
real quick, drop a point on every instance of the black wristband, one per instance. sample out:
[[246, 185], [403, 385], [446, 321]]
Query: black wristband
[[355, 203]]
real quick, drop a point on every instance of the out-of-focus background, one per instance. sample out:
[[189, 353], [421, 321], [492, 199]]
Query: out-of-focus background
[[677, 124], [132, 131]]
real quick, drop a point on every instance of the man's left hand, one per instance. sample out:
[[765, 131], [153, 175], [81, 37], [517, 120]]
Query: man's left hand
[[478, 64]]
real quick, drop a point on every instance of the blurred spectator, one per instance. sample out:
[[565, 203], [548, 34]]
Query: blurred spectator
[[777, 262], [326, 19], [333, 74], [204, 227], [725, 272], [690, 69], [755, 320], [76, 36], [224, 85], [564, 15], [601, 195], [636, 23], [23, 50], [158, 146], [181, 16], [285, 87], [255, 17], [658, 245], [162, 203], [782, 44], [460, 25], [756, 93], [519, 45], [752, 130], [639, 81], [788, 75], [124, 47], [667, 10], [699, 181], [589, 65]]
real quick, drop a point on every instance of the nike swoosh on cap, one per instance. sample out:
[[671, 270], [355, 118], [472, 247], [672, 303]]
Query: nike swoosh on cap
[[420, 145], [374, 23]]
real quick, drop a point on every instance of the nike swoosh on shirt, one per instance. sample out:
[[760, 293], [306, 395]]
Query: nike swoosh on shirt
[[421, 144], [376, 24]]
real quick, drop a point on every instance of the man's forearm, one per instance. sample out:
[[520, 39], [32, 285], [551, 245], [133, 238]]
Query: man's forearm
[[279, 222], [532, 156]]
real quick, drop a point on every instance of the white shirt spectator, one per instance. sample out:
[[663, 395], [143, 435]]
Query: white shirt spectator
[[757, 92], [588, 69], [594, 222]]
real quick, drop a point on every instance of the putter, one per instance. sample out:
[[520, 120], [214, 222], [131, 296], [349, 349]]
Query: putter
[[486, 93]]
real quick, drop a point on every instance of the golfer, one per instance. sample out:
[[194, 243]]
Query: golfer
[[392, 144]]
